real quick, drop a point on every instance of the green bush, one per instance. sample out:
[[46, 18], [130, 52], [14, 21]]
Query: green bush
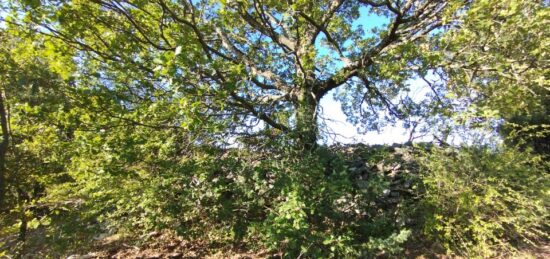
[[286, 201], [320, 210], [481, 201]]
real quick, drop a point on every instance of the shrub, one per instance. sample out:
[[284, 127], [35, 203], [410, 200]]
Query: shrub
[[294, 203], [481, 201]]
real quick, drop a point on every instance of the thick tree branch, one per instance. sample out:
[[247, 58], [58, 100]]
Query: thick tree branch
[[243, 103], [321, 89], [322, 28], [416, 25], [365, 61], [322, 25]]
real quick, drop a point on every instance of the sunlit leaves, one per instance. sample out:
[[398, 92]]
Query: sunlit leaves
[[498, 55]]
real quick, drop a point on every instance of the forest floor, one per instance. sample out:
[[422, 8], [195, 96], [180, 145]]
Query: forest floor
[[156, 245], [159, 245], [167, 246]]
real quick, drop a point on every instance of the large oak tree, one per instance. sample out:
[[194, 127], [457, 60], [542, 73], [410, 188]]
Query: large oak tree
[[248, 61]]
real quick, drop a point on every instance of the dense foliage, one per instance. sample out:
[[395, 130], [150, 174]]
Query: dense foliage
[[201, 118], [481, 201]]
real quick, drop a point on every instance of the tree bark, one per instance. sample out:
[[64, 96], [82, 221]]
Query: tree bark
[[3, 148], [306, 120]]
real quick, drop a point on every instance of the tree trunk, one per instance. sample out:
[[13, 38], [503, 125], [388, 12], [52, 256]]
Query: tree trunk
[[3, 148], [306, 120]]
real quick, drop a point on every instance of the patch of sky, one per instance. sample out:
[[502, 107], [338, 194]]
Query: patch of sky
[[338, 129]]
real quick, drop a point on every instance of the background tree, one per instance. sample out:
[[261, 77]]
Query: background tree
[[35, 155], [494, 63]]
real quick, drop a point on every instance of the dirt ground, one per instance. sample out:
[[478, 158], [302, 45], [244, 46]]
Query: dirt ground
[[162, 246], [168, 246]]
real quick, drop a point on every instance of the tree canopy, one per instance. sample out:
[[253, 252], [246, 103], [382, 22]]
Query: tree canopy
[[246, 61]]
